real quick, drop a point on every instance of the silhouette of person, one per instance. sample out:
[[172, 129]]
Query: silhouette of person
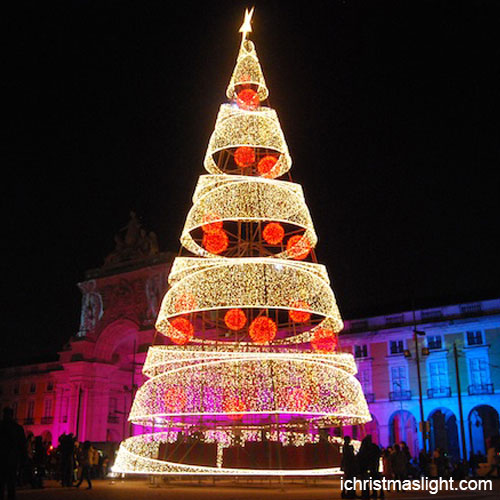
[[349, 466], [12, 454], [85, 459]]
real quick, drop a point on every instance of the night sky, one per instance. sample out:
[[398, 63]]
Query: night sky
[[390, 111]]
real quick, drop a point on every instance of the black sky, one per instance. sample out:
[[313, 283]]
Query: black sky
[[390, 111]]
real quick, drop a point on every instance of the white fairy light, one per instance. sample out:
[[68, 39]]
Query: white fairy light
[[225, 283], [249, 199], [136, 455], [261, 379], [236, 127]]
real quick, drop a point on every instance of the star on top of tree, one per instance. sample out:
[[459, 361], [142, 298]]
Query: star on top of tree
[[246, 27]]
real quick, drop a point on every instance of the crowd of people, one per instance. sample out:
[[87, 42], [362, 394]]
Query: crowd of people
[[396, 462], [29, 460], [79, 462]]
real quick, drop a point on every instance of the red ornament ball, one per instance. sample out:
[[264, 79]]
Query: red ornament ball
[[298, 247], [235, 319], [297, 399], [209, 226], [244, 156], [324, 340], [182, 331], [248, 99], [232, 405], [266, 164], [175, 399], [300, 316], [262, 330], [215, 242], [185, 302], [273, 233]]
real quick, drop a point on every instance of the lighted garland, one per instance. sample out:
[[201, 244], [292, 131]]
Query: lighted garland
[[250, 283], [234, 407], [137, 455], [162, 358], [225, 198], [175, 399], [288, 435], [256, 129], [140, 453], [185, 302], [247, 72], [184, 266], [269, 379]]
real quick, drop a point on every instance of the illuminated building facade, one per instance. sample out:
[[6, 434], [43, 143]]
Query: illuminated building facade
[[89, 389], [384, 349]]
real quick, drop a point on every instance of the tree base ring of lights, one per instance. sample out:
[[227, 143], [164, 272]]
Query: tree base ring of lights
[[137, 454]]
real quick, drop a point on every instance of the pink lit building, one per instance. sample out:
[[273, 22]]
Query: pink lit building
[[89, 390]]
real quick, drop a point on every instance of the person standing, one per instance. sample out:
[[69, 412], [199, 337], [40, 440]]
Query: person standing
[[408, 457], [94, 462], [398, 461], [66, 448], [348, 465], [85, 458], [374, 468], [369, 465], [387, 464], [39, 462], [12, 453], [423, 463]]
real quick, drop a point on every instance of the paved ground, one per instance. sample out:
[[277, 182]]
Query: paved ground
[[140, 489]]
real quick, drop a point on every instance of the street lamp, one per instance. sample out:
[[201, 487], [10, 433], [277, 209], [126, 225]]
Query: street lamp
[[416, 334]]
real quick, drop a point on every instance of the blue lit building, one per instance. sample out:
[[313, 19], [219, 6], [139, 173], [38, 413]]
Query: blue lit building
[[384, 348]]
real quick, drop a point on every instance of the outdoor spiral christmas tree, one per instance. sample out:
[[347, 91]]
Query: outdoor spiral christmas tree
[[250, 382]]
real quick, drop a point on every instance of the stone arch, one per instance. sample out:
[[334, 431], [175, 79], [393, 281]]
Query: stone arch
[[483, 426], [444, 431], [403, 428], [113, 339]]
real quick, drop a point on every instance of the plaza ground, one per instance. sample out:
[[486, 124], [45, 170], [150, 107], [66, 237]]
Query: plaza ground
[[224, 489]]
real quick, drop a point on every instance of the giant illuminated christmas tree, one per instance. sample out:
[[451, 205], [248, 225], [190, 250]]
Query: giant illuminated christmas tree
[[250, 382]]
